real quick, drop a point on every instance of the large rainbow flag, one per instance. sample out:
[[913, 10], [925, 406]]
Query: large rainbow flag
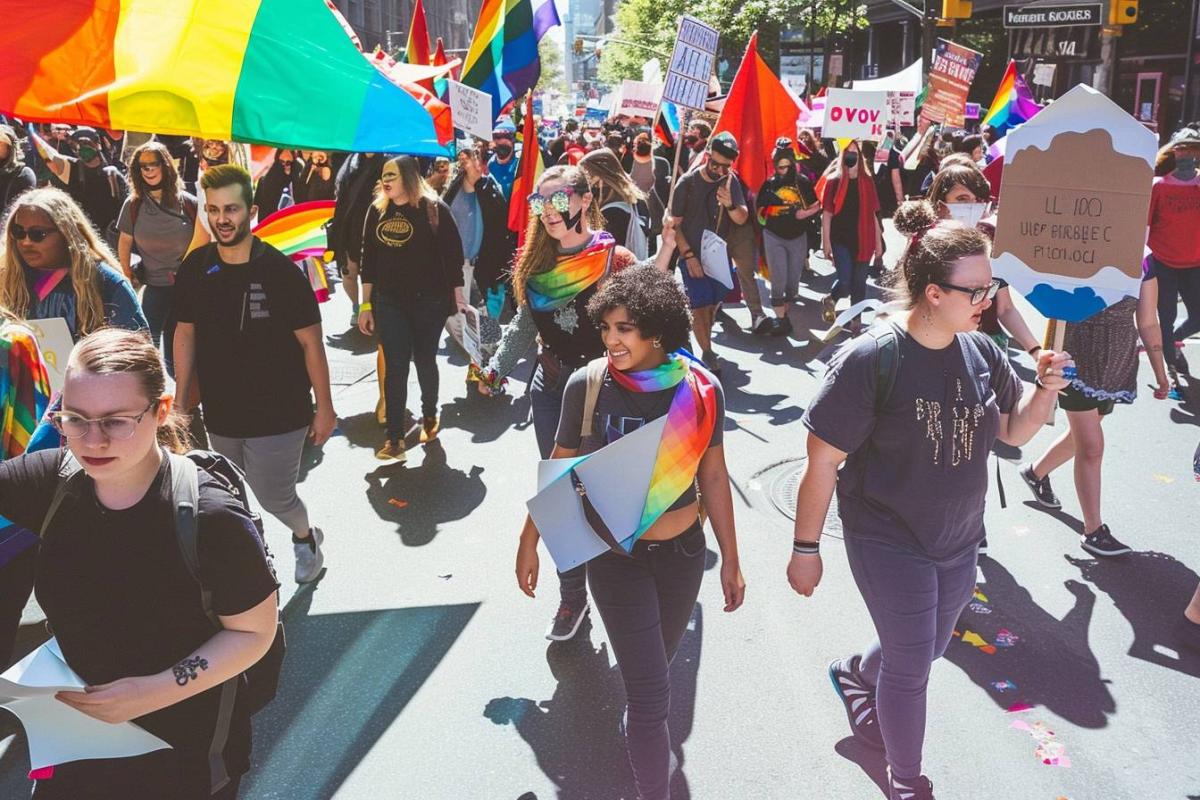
[[503, 57], [298, 231], [1013, 103], [278, 72]]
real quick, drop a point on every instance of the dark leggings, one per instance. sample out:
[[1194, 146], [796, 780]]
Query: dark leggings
[[646, 602], [409, 332], [914, 603], [1172, 285]]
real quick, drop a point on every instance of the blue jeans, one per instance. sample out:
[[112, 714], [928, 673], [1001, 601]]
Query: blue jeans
[[156, 305], [545, 397], [851, 275], [409, 332]]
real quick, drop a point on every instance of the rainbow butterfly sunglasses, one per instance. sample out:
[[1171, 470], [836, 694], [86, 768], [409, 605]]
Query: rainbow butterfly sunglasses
[[560, 201]]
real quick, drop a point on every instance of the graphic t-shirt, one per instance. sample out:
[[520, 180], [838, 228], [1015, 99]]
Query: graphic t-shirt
[[916, 474], [401, 255], [1174, 220], [778, 201]]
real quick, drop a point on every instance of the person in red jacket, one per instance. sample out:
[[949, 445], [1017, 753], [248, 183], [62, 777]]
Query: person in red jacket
[[850, 229]]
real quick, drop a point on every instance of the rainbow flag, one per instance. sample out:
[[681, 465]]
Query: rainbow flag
[[24, 389], [441, 86], [528, 172], [667, 126], [416, 51], [503, 57], [1013, 103], [278, 72], [298, 231]]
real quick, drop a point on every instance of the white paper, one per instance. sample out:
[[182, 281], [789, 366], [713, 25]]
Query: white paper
[[54, 339], [471, 110], [855, 115], [471, 338], [57, 733], [714, 258]]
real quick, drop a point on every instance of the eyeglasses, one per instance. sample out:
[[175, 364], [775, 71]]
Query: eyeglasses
[[36, 235], [977, 294], [115, 428], [146, 166], [720, 166], [560, 201]]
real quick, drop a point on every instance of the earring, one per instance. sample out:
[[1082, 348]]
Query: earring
[[658, 344]]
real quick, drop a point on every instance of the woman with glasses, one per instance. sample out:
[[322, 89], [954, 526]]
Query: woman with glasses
[[113, 582], [159, 219], [566, 257], [412, 281], [912, 411]]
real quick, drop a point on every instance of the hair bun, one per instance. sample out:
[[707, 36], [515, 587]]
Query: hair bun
[[914, 217]]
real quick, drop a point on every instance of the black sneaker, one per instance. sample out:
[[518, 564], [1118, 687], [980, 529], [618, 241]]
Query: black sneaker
[[566, 622], [918, 788], [983, 547], [783, 327], [1101, 542], [1043, 495], [762, 325], [858, 698]]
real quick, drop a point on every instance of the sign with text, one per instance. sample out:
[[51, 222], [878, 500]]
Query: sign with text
[[639, 99], [471, 110], [1024, 16], [901, 109], [691, 63], [855, 115], [954, 68]]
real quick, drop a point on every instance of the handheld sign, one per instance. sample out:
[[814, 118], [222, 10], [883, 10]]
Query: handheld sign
[[54, 340], [471, 110], [855, 115], [950, 77], [691, 63]]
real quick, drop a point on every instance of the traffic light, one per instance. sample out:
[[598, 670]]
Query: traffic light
[[959, 9], [578, 47], [1122, 12]]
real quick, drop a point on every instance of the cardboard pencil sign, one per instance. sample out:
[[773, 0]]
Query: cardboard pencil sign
[[691, 63], [1071, 231], [855, 115]]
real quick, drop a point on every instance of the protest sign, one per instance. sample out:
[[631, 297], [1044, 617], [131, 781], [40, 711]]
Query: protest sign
[[639, 99], [471, 110], [971, 111], [1071, 231], [54, 340], [854, 115], [691, 63], [901, 109], [954, 67]]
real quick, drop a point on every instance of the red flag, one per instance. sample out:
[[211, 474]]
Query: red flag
[[441, 86], [758, 110], [527, 175], [416, 51]]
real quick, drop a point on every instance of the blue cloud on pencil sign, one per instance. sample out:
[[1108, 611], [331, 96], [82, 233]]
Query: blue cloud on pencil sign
[[1074, 306]]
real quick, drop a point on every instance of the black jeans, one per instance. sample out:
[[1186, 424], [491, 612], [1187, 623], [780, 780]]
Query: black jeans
[[409, 331], [646, 602], [1174, 284]]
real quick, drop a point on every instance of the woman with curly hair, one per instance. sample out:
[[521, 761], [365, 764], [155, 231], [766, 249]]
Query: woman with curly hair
[[646, 595]]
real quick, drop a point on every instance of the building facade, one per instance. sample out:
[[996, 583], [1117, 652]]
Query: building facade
[[385, 22]]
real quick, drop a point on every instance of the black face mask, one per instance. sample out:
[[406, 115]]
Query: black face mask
[[851, 160], [643, 149], [691, 140], [504, 150]]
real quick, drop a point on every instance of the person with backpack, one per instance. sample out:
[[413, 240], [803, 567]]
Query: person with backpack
[[159, 219], [248, 343], [646, 593], [912, 409], [412, 280], [127, 605], [480, 212], [98, 187], [623, 204]]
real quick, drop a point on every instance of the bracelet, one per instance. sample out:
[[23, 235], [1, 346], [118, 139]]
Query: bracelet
[[803, 548], [365, 307], [688, 254]]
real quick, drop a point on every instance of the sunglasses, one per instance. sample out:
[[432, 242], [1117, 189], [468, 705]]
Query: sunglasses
[[114, 428], [560, 201], [977, 294], [36, 235], [720, 166], [146, 166]]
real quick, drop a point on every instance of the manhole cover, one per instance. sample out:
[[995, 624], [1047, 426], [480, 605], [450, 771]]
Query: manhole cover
[[782, 493]]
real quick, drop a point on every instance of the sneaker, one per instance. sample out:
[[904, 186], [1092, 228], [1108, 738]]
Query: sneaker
[[1043, 495], [918, 788], [1101, 542], [858, 698], [829, 309], [762, 325], [983, 547], [566, 622], [712, 361], [392, 452], [309, 556], [1178, 391], [783, 327], [429, 428]]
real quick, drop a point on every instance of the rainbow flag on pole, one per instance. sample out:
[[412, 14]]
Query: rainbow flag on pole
[[503, 57], [277, 72], [1013, 103], [298, 231]]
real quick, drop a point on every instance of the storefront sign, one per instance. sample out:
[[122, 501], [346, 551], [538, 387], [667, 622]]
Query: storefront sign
[[1022, 16]]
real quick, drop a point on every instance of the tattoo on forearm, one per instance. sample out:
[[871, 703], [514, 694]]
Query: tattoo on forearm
[[186, 670]]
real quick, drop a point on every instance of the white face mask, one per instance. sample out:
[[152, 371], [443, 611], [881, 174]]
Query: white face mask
[[968, 214]]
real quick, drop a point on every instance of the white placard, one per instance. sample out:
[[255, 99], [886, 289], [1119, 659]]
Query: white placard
[[471, 110], [901, 109], [855, 115], [472, 339], [714, 258], [54, 340], [691, 63], [639, 99]]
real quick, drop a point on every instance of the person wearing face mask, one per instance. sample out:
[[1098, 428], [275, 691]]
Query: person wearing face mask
[[318, 181], [98, 187], [503, 164], [283, 177], [652, 174], [696, 142], [481, 213], [15, 177], [787, 206], [850, 230]]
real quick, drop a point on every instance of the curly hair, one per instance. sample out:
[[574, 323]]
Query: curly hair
[[934, 247], [654, 301]]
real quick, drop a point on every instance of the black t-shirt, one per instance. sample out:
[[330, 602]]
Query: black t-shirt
[[843, 228], [403, 258], [253, 381], [794, 194], [93, 190], [121, 601]]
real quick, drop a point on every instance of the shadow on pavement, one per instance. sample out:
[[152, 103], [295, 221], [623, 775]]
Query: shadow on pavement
[[1050, 662], [576, 734], [1150, 590], [432, 493], [351, 341], [345, 680], [486, 418], [871, 762], [734, 379]]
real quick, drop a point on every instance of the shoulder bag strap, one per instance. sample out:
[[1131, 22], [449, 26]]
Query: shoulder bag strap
[[887, 363], [594, 520], [596, 369], [68, 469], [972, 358]]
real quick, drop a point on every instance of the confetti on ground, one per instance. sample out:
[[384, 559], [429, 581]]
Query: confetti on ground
[[973, 638], [1006, 638], [1004, 686], [980, 596], [397, 503], [1049, 750], [980, 608], [1017, 708], [1163, 478]]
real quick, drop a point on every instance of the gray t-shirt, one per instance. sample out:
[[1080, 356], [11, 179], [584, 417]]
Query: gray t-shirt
[[916, 474], [696, 201], [161, 235], [620, 411]]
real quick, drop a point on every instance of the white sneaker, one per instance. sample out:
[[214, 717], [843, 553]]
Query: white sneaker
[[309, 556]]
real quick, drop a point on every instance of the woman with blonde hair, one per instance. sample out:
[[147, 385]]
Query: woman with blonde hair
[[412, 281], [623, 204], [54, 264]]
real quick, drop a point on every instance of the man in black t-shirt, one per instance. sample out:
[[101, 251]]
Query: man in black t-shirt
[[249, 335]]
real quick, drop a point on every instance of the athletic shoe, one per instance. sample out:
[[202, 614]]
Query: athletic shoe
[[392, 452], [858, 698], [783, 327], [1101, 542], [762, 325], [918, 788], [309, 556], [1043, 495], [983, 547], [712, 361], [566, 622], [829, 309], [429, 428], [1178, 390]]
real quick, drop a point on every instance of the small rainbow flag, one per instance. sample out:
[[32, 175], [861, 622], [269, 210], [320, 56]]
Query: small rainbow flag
[[1013, 103], [503, 58], [298, 231]]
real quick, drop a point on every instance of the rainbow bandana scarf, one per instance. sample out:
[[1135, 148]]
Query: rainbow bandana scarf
[[689, 428], [551, 290]]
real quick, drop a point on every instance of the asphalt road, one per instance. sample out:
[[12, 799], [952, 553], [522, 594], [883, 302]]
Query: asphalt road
[[416, 669]]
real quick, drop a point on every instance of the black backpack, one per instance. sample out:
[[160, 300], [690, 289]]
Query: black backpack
[[261, 681]]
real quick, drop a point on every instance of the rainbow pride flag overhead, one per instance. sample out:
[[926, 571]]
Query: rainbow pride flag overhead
[[1013, 103], [503, 57], [298, 231], [278, 72]]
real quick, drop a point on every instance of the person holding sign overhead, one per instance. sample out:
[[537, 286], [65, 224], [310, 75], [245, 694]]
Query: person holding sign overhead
[[850, 231]]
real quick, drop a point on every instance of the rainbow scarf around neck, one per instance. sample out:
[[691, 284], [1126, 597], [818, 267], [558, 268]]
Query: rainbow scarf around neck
[[690, 421], [553, 289]]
